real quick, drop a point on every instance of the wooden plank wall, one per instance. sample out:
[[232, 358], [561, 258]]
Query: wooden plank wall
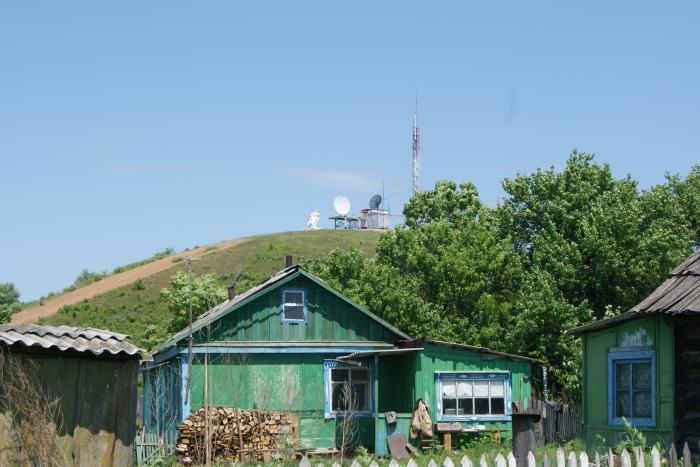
[[687, 426], [561, 422], [97, 403]]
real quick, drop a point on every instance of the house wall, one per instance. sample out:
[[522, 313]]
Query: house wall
[[97, 407], [440, 358], [407, 379], [284, 382], [650, 332], [329, 318]]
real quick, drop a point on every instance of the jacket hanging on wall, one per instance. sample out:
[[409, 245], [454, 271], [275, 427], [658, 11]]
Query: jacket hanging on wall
[[421, 421]]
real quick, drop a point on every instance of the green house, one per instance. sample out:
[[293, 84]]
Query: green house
[[643, 366], [295, 344]]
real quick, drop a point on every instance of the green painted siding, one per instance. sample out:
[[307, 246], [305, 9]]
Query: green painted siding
[[285, 382], [97, 406], [329, 318], [654, 332], [439, 358]]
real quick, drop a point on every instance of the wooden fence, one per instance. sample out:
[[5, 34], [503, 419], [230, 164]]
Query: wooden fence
[[638, 458], [561, 422]]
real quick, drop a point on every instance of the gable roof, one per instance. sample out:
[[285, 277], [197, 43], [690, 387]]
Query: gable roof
[[67, 338], [678, 295], [280, 278]]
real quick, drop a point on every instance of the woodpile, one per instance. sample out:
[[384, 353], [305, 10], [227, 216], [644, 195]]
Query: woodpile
[[236, 435]]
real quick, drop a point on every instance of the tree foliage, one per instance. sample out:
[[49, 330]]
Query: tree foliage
[[9, 301], [205, 294], [562, 248]]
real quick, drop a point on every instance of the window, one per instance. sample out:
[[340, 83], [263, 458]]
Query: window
[[473, 395], [348, 388], [294, 305], [631, 387]]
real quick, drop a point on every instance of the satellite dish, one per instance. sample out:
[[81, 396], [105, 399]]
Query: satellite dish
[[341, 205], [375, 201]]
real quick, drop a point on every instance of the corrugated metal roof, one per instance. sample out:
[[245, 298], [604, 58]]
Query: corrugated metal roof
[[63, 338], [678, 295]]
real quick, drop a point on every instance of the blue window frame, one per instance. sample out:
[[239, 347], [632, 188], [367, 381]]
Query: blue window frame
[[293, 308], [348, 388], [632, 387], [473, 396]]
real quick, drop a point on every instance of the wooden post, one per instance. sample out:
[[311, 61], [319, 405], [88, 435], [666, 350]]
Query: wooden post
[[686, 455], [447, 441], [561, 461], [655, 457], [672, 456], [523, 436]]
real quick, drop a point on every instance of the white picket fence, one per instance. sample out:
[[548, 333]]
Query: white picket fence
[[561, 460]]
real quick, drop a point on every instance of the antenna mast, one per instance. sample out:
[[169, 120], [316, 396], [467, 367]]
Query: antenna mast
[[416, 148]]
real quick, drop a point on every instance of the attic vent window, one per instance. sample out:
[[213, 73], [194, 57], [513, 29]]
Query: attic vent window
[[294, 305]]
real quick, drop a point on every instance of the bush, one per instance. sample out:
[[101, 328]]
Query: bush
[[138, 285], [86, 277]]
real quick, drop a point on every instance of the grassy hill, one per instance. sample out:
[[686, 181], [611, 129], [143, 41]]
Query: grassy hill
[[137, 309]]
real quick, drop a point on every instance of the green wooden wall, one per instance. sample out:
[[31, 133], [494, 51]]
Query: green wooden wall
[[330, 318], [97, 406], [285, 382], [440, 358], [652, 331]]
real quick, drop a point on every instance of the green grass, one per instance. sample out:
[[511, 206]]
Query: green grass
[[137, 309]]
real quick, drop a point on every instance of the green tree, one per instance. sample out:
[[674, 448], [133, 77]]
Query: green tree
[[562, 248], [9, 301], [8, 294], [205, 294]]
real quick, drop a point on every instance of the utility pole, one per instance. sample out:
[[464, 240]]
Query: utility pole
[[188, 260]]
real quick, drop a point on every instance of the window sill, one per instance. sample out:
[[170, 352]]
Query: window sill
[[331, 415], [645, 422], [474, 418]]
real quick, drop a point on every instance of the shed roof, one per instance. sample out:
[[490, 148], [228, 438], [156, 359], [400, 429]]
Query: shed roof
[[678, 295], [289, 273], [419, 342], [68, 338]]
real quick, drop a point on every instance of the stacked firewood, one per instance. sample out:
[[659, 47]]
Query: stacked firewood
[[235, 435]]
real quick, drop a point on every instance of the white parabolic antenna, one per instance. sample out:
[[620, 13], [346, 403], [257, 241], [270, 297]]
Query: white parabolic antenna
[[341, 205]]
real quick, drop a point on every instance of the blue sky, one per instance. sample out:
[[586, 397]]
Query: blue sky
[[126, 127]]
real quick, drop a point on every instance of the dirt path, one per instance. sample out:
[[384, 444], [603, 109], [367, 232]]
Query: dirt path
[[52, 305]]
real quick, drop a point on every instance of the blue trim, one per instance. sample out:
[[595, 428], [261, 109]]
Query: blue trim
[[184, 373], [167, 355], [256, 350], [282, 302], [472, 375], [327, 365], [645, 356]]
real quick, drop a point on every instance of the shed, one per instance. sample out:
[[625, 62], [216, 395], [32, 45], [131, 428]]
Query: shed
[[67, 394], [643, 366], [293, 343]]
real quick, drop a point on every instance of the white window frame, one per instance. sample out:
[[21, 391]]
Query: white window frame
[[284, 304], [502, 377]]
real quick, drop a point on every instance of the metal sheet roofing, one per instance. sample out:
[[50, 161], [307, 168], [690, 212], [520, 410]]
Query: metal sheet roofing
[[419, 341], [381, 353], [67, 338], [678, 295]]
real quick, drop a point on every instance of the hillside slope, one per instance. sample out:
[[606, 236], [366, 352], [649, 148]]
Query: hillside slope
[[138, 310], [51, 306]]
